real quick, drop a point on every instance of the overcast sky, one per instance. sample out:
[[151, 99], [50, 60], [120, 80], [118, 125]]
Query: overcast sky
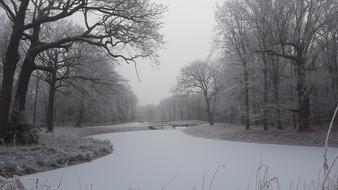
[[188, 31]]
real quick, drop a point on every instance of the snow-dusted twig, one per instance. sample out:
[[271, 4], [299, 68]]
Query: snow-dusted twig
[[63, 172], [203, 181], [327, 137], [172, 179], [327, 167], [263, 181], [213, 177], [78, 179]]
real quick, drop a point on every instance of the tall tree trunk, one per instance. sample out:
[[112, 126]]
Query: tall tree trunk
[[21, 91], [209, 112], [36, 98], [174, 108], [79, 120], [182, 110], [9, 66], [169, 112], [265, 108], [51, 99], [294, 122], [303, 98], [277, 101], [255, 107], [24, 78], [246, 101]]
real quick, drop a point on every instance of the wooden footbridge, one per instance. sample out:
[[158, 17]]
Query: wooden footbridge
[[173, 125]]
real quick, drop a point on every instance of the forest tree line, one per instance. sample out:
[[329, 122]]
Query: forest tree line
[[71, 46], [278, 67], [285, 53]]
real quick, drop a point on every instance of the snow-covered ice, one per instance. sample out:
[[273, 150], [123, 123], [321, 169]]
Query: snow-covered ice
[[148, 160]]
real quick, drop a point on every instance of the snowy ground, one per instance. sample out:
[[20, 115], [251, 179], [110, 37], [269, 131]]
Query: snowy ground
[[150, 160], [223, 131], [65, 146]]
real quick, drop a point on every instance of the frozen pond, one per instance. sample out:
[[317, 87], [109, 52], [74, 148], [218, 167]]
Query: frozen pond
[[148, 160]]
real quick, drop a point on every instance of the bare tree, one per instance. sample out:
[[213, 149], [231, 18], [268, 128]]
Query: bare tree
[[203, 78], [106, 98], [233, 30], [67, 68], [60, 65]]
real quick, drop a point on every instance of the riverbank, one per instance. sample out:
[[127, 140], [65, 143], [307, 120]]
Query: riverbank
[[66, 146], [228, 132], [69, 145]]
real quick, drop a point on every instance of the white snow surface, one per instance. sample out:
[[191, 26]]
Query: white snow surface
[[148, 160]]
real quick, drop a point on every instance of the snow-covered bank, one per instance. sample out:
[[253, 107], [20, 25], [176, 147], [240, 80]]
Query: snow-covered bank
[[65, 146], [288, 136], [150, 159]]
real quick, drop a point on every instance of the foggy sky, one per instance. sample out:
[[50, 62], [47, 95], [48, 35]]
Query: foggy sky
[[188, 31]]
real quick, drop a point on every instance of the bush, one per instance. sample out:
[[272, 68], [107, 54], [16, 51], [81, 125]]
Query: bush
[[22, 134]]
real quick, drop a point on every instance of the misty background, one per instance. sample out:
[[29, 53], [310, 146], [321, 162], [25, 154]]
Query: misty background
[[188, 28]]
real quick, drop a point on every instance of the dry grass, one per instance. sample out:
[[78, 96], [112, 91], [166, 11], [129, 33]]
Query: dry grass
[[53, 151]]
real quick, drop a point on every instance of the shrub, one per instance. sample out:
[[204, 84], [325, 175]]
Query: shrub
[[22, 134]]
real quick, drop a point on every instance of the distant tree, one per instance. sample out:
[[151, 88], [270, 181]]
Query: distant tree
[[175, 107], [146, 113], [202, 78]]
